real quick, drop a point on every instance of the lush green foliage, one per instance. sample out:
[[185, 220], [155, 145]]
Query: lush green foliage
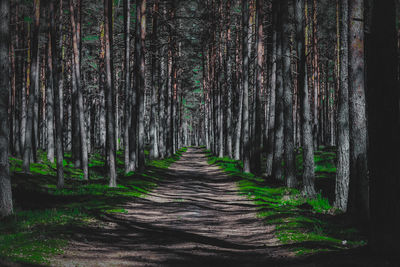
[[310, 225], [45, 216]]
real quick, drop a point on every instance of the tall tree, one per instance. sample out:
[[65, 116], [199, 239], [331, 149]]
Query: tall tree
[[58, 94], [50, 90], [272, 94], [77, 76], [6, 205], [277, 170], [140, 79], [30, 142], [259, 87], [290, 165], [154, 127], [384, 129], [302, 85], [108, 35], [358, 194], [343, 139], [245, 73], [127, 77]]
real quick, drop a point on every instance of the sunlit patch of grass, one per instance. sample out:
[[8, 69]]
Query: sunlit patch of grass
[[117, 211], [298, 220], [320, 204], [324, 159]]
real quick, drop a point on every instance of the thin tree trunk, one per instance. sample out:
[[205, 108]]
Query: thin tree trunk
[[259, 88], [102, 82], [49, 94], [141, 76], [57, 102], [245, 122], [239, 104], [272, 96], [228, 82], [29, 147], [277, 170], [127, 75], [6, 205], [163, 88], [153, 106], [108, 34]]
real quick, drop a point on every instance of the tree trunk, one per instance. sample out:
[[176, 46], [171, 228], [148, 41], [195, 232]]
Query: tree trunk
[[76, 65], [290, 165], [57, 92], [259, 88], [343, 164], [277, 171], [108, 34], [305, 110], [30, 148], [272, 96], [141, 76], [6, 205], [49, 96], [358, 194], [153, 115], [127, 76], [163, 88], [245, 122]]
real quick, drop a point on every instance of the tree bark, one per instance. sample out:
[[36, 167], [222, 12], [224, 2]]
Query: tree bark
[[77, 74], [127, 76], [305, 110], [290, 165], [259, 88], [343, 164], [6, 205], [29, 144], [49, 94], [358, 192], [108, 11], [153, 106], [141, 76], [277, 170], [245, 122], [272, 96]]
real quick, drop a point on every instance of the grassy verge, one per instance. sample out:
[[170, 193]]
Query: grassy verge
[[45, 217], [306, 225]]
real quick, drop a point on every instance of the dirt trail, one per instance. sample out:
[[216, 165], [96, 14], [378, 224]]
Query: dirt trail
[[195, 217]]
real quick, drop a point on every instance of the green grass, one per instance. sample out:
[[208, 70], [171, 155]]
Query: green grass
[[45, 217], [309, 225], [324, 158]]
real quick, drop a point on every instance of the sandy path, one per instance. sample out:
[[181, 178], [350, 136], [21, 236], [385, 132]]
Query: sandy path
[[195, 217]]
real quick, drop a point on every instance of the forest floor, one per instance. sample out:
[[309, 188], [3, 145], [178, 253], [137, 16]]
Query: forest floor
[[202, 213]]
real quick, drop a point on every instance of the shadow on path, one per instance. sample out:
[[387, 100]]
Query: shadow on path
[[194, 218]]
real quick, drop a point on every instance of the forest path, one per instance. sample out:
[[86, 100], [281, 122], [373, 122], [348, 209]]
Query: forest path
[[194, 217]]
